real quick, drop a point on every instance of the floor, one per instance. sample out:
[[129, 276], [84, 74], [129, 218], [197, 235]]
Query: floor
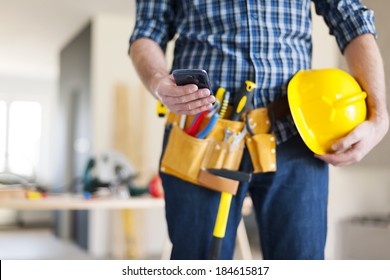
[[41, 244], [37, 243]]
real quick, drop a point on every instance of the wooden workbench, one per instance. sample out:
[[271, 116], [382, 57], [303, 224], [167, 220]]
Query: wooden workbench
[[73, 202], [101, 223]]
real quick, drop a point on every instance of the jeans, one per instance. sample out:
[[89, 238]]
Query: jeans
[[290, 207]]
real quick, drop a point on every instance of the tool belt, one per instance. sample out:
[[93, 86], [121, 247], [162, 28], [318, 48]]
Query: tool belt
[[189, 158]]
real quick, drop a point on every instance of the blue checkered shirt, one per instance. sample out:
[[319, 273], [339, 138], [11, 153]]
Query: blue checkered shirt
[[263, 41]]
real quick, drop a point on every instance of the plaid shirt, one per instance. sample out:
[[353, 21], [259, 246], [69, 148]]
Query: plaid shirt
[[266, 42]]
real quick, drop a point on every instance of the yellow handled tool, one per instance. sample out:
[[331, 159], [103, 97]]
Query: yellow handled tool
[[243, 100], [223, 96], [161, 109], [223, 210], [220, 225]]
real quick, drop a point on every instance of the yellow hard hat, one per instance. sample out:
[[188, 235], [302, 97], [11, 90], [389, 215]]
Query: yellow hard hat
[[326, 105]]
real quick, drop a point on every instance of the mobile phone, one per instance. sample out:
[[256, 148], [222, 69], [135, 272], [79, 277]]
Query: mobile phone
[[198, 77]]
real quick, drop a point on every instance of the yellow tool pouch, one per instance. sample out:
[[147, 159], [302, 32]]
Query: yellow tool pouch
[[261, 145], [188, 157]]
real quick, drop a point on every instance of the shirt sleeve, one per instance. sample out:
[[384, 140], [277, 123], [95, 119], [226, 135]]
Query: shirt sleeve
[[154, 20], [346, 19]]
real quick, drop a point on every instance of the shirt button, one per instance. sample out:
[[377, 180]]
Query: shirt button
[[257, 56], [254, 16]]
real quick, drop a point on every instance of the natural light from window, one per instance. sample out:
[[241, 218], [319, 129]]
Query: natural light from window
[[24, 134], [3, 133]]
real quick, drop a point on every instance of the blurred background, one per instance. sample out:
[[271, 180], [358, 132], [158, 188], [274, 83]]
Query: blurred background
[[64, 78]]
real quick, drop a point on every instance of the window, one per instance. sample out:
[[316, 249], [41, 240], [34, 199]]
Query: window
[[20, 135], [3, 134]]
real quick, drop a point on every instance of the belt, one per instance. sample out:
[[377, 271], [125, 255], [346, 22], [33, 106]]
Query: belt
[[279, 108]]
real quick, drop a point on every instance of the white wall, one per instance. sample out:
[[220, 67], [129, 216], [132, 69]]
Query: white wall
[[111, 66], [355, 190], [325, 50]]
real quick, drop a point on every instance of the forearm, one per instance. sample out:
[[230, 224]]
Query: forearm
[[149, 62], [366, 65]]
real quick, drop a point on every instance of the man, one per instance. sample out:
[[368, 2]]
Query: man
[[266, 42]]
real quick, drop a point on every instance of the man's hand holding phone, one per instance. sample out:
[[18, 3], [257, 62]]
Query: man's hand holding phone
[[185, 92]]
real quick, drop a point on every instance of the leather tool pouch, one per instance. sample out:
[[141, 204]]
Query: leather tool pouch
[[187, 157], [262, 144]]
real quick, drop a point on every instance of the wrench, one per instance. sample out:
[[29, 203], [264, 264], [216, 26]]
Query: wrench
[[237, 138], [228, 134]]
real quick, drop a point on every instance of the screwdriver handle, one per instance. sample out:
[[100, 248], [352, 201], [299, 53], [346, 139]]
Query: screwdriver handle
[[243, 101]]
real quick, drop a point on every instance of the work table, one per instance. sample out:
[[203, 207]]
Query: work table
[[77, 202]]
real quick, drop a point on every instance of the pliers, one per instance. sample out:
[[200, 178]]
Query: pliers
[[193, 130], [214, 116]]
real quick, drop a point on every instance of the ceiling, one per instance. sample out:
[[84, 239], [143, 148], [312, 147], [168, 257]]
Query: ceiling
[[32, 32]]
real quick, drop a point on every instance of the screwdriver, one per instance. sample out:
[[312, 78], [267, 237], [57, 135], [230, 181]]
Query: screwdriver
[[243, 101], [224, 104]]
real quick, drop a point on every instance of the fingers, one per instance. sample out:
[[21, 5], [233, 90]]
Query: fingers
[[351, 148], [174, 91], [195, 106], [352, 138], [184, 100], [166, 87], [195, 110], [350, 156], [189, 104]]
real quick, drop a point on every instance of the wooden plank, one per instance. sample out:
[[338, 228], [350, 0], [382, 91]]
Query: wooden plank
[[79, 203]]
